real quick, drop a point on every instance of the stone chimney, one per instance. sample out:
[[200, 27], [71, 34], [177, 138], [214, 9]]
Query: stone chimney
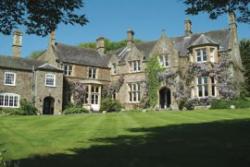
[[100, 45], [233, 26], [52, 39], [131, 34], [17, 43], [188, 27]]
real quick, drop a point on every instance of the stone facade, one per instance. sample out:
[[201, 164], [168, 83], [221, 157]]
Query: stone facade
[[194, 68]]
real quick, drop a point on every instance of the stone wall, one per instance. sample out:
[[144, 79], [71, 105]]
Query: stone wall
[[23, 85], [42, 91]]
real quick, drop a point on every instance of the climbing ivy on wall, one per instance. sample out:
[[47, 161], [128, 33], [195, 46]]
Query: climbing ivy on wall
[[152, 70]]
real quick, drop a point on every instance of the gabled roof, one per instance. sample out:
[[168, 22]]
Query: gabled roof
[[19, 63], [49, 67], [182, 43], [82, 56], [221, 37], [203, 40]]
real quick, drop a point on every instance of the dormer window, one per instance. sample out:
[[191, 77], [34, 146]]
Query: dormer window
[[201, 55], [164, 60], [92, 72], [135, 66]]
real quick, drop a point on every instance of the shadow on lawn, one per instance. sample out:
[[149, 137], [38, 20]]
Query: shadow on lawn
[[214, 144]]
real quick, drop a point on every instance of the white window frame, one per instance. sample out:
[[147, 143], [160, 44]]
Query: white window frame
[[202, 55], [5, 77], [6, 104], [53, 76], [134, 93], [135, 66], [203, 86], [92, 72], [95, 95], [67, 69]]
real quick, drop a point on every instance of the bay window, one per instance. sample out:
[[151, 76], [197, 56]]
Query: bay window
[[201, 55], [9, 100]]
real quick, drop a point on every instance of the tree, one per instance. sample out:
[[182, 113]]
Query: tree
[[216, 8], [38, 16], [245, 56], [36, 54], [109, 45]]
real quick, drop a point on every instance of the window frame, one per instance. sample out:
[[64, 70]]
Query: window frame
[[54, 80], [69, 69], [15, 100], [94, 95], [202, 86], [14, 79], [92, 73], [134, 92], [199, 53], [135, 66]]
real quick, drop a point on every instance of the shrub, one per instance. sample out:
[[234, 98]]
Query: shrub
[[75, 110], [225, 104], [27, 108], [110, 105]]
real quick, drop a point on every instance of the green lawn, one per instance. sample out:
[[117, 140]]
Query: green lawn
[[157, 139]]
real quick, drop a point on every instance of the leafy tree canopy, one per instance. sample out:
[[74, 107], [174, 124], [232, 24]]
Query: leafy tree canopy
[[245, 56], [216, 8], [109, 45], [38, 16], [36, 54]]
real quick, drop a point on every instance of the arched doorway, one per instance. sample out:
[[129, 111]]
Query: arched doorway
[[48, 106], [165, 98]]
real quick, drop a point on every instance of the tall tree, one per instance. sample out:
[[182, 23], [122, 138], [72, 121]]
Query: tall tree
[[109, 45], [39, 17], [245, 56], [216, 8]]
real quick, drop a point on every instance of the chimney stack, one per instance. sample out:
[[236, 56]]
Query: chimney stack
[[233, 26], [17, 43], [188, 27], [131, 34], [52, 39], [100, 45]]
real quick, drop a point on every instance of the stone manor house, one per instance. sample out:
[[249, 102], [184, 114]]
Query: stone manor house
[[46, 81]]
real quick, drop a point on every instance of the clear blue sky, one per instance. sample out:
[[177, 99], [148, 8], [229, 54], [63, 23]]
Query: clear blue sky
[[112, 18]]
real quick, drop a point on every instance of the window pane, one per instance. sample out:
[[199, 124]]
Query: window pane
[[1, 100], [204, 55], [205, 80], [212, 80], [200, 80], [213, 90], [16, 101], [11, 101], [200, 91], [206, 90], [6, 100]]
